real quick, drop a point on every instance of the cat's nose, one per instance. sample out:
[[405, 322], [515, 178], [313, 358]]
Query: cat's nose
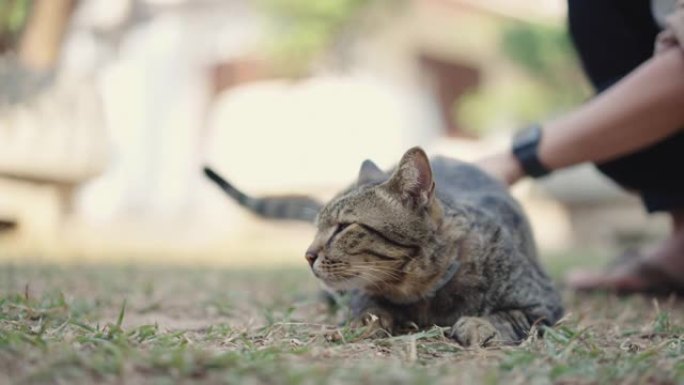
[[311, 256]]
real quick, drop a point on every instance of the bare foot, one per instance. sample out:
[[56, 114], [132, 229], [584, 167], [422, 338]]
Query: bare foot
[[661, 270]]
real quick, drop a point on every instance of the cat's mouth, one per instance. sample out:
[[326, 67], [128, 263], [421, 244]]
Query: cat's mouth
[[339, 281]]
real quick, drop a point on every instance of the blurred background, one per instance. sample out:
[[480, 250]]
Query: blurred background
[[109, 109]]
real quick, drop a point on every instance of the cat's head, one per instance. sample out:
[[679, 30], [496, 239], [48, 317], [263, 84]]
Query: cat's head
[[375, 236]]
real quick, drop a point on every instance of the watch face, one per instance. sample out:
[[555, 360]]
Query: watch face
[[527, 136]]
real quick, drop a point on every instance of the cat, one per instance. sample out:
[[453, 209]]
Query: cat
[[430, 243]]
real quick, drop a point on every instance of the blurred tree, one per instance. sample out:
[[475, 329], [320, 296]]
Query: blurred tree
[[547, 54], [13, 14], [304, 29], [552, 80]]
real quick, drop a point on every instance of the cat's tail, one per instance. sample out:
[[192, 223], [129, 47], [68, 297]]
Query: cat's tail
[[292, 207]]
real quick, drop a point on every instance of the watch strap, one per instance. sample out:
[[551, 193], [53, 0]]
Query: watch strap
[[525, 149]]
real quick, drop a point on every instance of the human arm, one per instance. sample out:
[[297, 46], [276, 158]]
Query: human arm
[[642, 109]]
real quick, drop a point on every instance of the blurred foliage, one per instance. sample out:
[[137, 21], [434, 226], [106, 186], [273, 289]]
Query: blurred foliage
[[303, 29], [546, 53], [13, 14], [551, 79]]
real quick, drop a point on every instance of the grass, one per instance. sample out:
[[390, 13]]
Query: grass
[[113, 325]]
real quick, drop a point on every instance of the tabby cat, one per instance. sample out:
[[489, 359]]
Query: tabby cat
[[431, 243]]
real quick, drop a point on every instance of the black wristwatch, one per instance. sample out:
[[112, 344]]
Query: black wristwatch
[[525, 146]]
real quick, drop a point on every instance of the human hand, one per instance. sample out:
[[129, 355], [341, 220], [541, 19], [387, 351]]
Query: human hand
[[502, 166]]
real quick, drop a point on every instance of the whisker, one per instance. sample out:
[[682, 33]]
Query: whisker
[[382, 273]]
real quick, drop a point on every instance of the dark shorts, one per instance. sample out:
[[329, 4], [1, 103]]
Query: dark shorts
[[613, 37]]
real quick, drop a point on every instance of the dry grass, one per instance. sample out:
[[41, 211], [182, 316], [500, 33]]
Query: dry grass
[[100, 324]]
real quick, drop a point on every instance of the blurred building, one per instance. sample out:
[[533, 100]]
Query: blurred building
[[187, 82]]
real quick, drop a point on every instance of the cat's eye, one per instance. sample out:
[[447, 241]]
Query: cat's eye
[[340, 227]]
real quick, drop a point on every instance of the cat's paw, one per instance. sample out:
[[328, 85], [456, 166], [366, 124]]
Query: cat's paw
[[375, 322], [475, 331]]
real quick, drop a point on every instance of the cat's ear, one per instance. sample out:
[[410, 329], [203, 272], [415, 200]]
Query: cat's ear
[[369, 172], [412, 180]]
